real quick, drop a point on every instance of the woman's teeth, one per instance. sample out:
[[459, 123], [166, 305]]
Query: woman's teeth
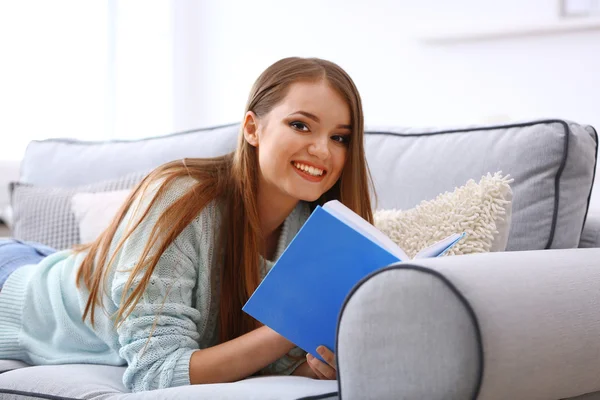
[[308, 169]]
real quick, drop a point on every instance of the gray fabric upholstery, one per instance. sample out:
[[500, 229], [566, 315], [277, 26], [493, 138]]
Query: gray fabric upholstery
[[404, 334], [9, 365], [537, 312], [99, 382], [587, 396], [69, 162], [544, 158], [552, 163], [590, 237]]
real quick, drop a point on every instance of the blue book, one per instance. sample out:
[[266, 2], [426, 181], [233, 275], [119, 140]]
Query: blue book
[[302, 295]]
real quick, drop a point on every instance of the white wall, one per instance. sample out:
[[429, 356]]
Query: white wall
[[84, 69], [403, 81], [52, 71]]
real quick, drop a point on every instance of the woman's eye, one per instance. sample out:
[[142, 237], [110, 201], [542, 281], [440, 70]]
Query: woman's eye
[[343, 139], [299, 126]]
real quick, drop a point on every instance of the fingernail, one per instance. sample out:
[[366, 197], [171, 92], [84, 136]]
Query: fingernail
[[320, 350], [309, 356]]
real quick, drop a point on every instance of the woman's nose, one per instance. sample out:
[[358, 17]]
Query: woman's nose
[[319, 148]]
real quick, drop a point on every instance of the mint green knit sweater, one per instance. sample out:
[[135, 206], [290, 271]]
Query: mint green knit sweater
[[41, 309]]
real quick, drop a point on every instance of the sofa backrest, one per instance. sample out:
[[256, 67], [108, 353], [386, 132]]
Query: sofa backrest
[[552, 163], [70, 163]]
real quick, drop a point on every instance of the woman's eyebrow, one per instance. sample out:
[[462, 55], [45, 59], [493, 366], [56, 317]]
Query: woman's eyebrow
[[317, 120]]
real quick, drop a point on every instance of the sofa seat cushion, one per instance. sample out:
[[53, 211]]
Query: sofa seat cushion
[[100, 382], [9, 365]]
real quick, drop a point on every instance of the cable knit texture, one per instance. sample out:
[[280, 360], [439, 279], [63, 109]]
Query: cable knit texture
[[40, 307]]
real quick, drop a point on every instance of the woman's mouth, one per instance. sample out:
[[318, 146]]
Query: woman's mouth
[[309, 172]]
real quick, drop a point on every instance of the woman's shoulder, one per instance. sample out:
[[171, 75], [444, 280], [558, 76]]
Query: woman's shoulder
[[180, 186], [177, 186], [170, 191], [160, 195]]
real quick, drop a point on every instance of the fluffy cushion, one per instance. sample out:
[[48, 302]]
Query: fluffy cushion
[[95, 211], [43, 214], [481, 210]]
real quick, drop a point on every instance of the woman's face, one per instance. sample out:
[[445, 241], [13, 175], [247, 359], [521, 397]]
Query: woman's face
[[302, 142]]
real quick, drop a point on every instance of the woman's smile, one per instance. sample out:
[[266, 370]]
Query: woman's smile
[[309, 172]]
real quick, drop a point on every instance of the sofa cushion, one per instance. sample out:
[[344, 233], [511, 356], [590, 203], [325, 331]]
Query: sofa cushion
[[84, 381], [9, 365], [68, 162], [552, 163], [44, 214], [590, 237], [95, 211]]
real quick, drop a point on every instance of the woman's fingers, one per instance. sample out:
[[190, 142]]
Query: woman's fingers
[[314, 369], [321, 369], [327, 355]]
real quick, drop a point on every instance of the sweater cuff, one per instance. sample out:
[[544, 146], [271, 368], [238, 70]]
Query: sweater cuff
[[290, 370], [181, 371], [287, 364]]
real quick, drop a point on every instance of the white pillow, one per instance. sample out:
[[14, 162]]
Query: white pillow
[[482, 210], [95, 211]]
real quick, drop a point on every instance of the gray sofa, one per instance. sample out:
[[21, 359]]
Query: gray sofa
[[520, 324]]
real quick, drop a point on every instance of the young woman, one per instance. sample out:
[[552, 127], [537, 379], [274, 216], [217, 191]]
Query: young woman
[[161, 290]]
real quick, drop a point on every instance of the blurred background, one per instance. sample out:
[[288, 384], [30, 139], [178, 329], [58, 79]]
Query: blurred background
[[127, 69]]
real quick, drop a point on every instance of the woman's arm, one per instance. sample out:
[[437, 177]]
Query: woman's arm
[[238, 358]]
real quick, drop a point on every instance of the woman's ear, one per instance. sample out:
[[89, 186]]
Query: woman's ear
[[251, 128]]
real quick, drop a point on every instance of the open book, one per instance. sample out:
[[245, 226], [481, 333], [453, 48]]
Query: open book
[[302, 295]]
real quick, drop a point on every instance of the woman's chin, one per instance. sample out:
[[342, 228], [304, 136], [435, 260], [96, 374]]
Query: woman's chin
[[309, 197], [307, 193]]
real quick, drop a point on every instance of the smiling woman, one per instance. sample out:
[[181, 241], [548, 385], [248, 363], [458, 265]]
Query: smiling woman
[[301, 154], [193, 241]]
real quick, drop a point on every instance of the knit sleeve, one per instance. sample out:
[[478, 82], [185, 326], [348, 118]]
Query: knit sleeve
[[287, 364], [159, 336]]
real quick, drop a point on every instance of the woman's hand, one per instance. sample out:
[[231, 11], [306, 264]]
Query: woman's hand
[[320, 369]]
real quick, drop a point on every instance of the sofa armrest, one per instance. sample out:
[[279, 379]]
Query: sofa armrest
[[513, 325]]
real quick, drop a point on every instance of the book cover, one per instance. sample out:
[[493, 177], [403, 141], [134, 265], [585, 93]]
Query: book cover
[[302, 295]]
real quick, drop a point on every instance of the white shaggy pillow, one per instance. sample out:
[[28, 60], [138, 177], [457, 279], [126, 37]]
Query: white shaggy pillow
[[481, 210]]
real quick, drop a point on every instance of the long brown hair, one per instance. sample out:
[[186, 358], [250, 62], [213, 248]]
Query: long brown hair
[[232, 180]]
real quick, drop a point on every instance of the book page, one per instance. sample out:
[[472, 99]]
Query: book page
[[350, 218], [439, 248]]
